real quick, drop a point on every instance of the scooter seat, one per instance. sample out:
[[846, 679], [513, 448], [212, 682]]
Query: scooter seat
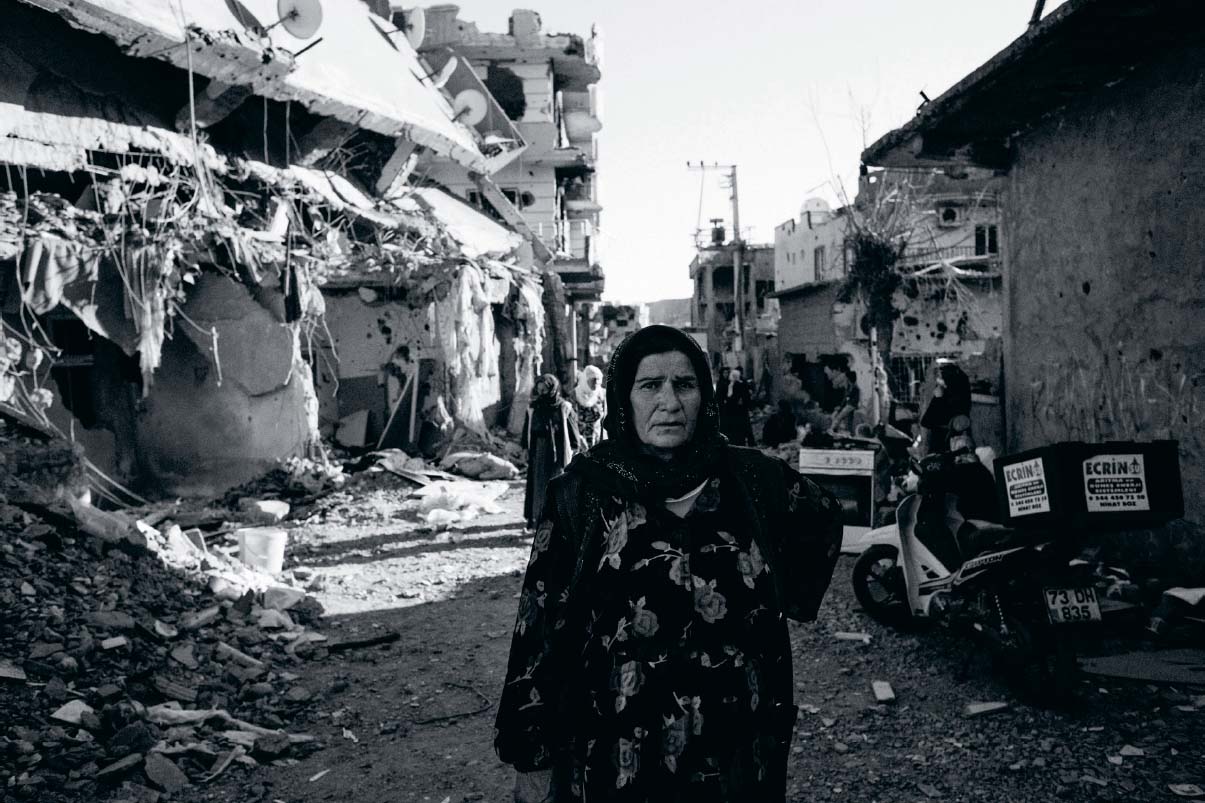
[[976, 537]]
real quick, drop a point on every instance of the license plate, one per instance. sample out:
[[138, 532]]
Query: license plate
[[1071, 605]]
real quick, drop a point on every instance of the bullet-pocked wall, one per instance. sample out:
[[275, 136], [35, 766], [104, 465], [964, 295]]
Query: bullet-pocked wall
[[1105, 271], [378, 337]]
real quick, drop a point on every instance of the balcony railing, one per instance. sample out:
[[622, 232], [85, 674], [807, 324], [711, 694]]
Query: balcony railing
[[927, 256], [572, 239]]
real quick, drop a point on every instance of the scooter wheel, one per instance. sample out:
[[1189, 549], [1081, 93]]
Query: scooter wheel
[[878, 581]]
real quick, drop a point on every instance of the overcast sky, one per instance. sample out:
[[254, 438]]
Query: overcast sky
[[785, 90]]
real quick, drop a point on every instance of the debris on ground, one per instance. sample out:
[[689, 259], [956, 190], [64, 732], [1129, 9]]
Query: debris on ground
[[480, 466], [980, 709], [883, 692], [444, 503], [397, 462], [143, 659], [863, 638]]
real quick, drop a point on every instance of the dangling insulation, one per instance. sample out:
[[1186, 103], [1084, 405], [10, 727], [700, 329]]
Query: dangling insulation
[[462, 323]]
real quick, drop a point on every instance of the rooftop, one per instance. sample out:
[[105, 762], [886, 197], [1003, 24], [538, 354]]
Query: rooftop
[[349, 69], [1081, 46], [575, 59]]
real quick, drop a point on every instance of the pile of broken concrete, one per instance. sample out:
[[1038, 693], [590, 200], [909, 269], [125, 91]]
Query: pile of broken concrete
[[138, 663]]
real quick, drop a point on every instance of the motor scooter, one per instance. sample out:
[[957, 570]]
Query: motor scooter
[[1015, 591]]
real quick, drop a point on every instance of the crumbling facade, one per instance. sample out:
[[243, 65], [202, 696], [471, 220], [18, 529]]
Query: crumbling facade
[[178, 207], [547, 86], [610, 324], [717, 299], [948, 303]]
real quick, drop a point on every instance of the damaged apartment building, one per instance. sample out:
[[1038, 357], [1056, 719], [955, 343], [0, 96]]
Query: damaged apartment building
[[216, 245], [948, 303], [547, 86], [734, 320]]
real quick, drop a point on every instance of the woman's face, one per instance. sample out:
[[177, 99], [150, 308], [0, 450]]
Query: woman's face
[[665, 401]]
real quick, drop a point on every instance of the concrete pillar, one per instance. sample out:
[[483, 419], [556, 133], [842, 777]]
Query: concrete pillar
[[583, 337]]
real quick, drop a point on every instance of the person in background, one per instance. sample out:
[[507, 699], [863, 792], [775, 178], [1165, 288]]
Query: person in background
[[651, 660], [845, 381], [781, 427], [946, 430], [721, 384], [590, 400], [734, 410], [551, 435]]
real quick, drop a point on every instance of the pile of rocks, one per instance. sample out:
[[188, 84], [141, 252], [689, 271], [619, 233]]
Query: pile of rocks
[[135, 665]]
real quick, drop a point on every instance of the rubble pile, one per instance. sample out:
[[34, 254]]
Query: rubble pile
[[298, 480], [137, 661]]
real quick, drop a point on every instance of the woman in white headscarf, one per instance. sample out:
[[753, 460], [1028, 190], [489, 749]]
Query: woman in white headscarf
[[590, 399]]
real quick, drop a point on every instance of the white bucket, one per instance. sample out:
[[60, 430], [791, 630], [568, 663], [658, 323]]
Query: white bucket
[[262, 548]]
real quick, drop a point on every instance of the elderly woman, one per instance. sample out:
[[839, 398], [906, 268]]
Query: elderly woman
[[590, 402], [650, 659], [551, 435]]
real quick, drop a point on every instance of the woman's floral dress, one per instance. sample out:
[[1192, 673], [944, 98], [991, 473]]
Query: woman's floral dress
[[590, 420], [683, 689]]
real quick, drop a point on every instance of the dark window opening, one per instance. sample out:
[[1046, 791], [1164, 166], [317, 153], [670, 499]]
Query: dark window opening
[[763, 289], [73, 368], [507, 89], [475, 199], [986, 241]]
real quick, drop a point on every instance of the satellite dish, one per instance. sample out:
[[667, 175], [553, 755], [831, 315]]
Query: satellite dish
[[301, 18], [415, 26], [445, 72], [470, 107]]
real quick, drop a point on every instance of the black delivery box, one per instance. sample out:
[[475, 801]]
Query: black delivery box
[[1118, 485]]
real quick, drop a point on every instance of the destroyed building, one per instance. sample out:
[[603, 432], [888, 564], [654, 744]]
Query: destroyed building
[[188, 204], [609, 324], [1093, 116], [948, 303], [736, 321], [547, 85]]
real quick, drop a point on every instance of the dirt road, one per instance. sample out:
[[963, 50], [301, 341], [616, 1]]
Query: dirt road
[[412, 720]]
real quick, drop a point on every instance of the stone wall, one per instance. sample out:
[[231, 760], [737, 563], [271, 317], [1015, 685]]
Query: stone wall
[[1105, 270]]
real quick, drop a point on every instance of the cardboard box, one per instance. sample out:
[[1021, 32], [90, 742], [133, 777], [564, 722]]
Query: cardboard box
[[1106, 486]]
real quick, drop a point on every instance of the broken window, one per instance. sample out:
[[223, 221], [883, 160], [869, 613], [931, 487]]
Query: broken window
[[72, 370], [764, 288], [507, 89], [476, 199], [986, 240]]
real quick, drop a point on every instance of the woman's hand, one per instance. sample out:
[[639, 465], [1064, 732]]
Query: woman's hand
[[533, 787]]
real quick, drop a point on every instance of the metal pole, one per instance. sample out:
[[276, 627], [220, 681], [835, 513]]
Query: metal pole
[[1037, 12], [738, 279]]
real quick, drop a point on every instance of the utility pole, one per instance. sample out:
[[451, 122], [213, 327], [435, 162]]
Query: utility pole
[[738, 254]]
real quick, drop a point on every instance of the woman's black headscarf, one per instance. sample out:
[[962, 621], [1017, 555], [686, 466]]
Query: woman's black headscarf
[[546, 391], [621, 463]]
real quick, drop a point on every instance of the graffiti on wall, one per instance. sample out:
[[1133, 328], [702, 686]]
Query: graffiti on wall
[[1119, 399]]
